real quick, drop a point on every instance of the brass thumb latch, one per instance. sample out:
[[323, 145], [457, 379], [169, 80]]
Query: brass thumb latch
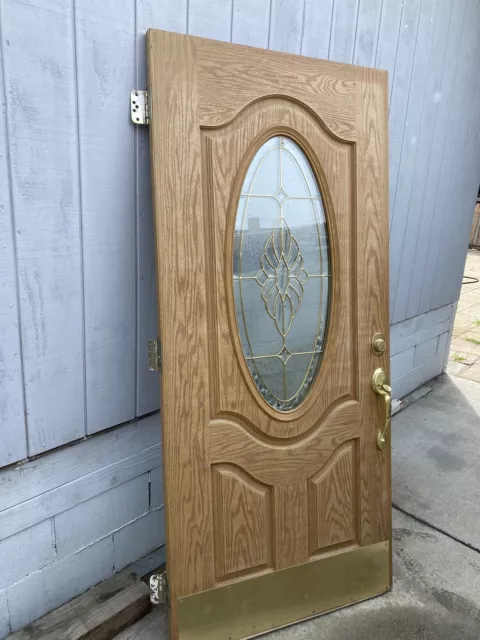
[[381, 388]]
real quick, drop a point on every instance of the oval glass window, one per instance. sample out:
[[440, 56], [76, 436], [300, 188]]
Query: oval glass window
[[281, 273]]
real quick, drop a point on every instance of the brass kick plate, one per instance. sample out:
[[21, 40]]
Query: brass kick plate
[[254, 606]]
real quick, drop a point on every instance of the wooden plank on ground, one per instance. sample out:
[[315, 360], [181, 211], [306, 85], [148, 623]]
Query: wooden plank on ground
[[99, 614], [152, 627]]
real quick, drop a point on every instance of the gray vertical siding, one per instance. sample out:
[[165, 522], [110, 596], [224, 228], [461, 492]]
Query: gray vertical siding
[[105, 64], [39, 77], [12, 408], [455, 229], [413, 218], [367, 32], [447, 210], [425, 232], [408, 99], [77, 272]]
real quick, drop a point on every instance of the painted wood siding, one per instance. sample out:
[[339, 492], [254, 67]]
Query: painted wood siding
[[77, 280]]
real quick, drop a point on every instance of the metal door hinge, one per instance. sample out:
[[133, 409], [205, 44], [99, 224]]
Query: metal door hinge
[[155, 355], [159, 588], [139, 110]]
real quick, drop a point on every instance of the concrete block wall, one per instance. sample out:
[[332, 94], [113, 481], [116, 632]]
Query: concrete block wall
[[74, 517], [419, 348]]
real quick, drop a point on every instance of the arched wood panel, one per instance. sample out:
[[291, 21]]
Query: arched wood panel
[[242, 523], [332, 500]]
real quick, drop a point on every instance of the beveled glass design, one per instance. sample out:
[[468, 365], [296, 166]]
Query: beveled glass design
[[281, 272]]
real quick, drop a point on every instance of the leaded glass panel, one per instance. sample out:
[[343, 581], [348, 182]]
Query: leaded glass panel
[[281, 272]]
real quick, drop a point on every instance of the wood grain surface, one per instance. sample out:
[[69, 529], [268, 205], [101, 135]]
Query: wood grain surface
[[373, 312], [275, 463], [101, 612], [243, 528], [332, 498], [249, 489], [179, 231], [227, 152], [238, 76], [291, 512]]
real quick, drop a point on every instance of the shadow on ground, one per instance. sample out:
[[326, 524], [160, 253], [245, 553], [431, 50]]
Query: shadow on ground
[[436, 461]]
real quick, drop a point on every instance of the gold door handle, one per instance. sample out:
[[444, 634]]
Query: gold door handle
[[381, 388]]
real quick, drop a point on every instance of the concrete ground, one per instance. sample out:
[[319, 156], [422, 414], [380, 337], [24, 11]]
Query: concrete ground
[[436, 532], [464, 358]]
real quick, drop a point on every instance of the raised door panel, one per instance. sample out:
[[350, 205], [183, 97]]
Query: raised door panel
[[237, 76], [279, 463], [332, 501], [242, 519]]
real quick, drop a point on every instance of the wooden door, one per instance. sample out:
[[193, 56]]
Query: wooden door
[[277, 496]]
